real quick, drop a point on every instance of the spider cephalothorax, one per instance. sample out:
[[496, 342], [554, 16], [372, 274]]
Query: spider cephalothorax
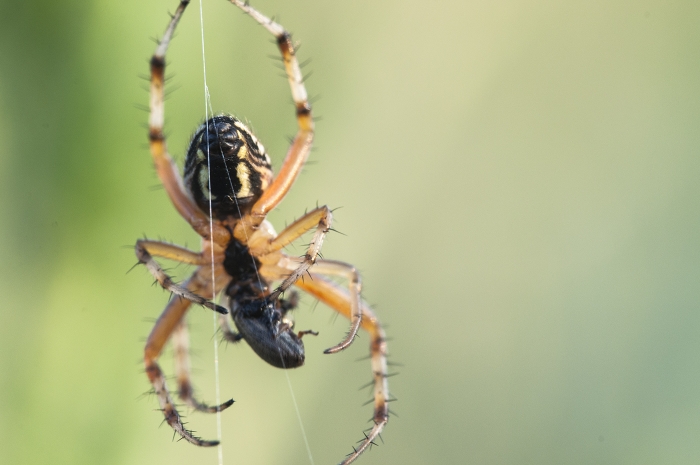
[[227, 191], [226, 167]]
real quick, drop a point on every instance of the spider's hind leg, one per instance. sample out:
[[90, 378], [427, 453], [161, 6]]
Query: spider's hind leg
[[348, 272], [171, 324], [181, 344], [167, 321], [340, 301]]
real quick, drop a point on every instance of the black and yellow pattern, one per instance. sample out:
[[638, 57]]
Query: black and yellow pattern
[[226, 167]]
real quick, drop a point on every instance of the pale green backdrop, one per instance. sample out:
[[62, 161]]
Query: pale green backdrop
[[519, 183]]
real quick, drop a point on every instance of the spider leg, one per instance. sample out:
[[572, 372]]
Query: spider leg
[[321, 218], [165, 326], [299, 150], [172, 252], [181, 344], [285, 264], [165, 166], [347, 271], [313, 219], [166, 281], [339, 300]]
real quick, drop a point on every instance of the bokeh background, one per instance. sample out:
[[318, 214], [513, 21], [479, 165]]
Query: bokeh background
[[519, 183]]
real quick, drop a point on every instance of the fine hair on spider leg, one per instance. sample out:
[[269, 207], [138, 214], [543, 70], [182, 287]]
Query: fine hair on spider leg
[[225, 193]]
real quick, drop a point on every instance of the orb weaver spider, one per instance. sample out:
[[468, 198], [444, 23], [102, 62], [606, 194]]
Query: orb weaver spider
[[226, 192]]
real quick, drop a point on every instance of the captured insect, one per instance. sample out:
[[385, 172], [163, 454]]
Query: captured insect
[[227, 190]]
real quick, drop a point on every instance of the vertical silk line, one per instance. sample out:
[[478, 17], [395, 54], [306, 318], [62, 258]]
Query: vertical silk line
[[301, 425], [286, 373], [207, 104], [255, 266]]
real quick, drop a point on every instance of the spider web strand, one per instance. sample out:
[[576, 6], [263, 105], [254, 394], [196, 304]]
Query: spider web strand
[[208, 108], [207, 105]]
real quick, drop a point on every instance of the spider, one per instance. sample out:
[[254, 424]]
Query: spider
[[226, 192]]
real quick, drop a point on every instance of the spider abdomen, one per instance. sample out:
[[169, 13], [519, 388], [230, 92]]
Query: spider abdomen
[[226, 168]]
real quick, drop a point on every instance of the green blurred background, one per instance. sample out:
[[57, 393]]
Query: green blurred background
[[519, 183]]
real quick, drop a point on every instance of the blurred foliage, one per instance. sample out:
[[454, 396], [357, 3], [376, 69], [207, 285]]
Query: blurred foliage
[[519, 183]]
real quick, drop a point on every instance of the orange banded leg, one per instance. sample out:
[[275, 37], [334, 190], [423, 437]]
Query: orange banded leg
[[166, 325], [321, 218], [347, 271], [165, 166], [172, 252], [299, 150], [166, 281], [294, 231], [339, 300], [181, 344]]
